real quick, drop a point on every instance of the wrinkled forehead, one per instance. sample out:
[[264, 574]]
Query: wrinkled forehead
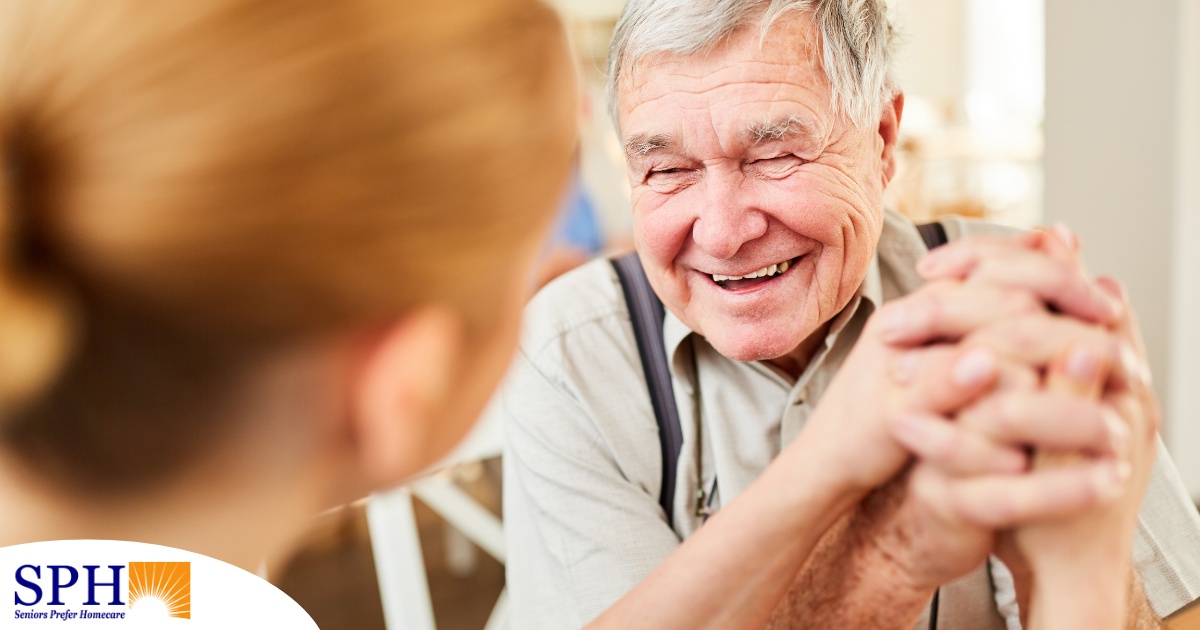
[[749, 75]]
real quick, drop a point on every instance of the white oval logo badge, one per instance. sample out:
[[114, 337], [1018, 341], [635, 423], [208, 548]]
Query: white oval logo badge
[[114, 584]]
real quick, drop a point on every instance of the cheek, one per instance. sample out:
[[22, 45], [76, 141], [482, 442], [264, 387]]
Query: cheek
[[661, 225], [832, 208]]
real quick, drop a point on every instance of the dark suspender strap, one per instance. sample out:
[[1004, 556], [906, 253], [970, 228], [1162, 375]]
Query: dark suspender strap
[[646, 314], [934, 235]]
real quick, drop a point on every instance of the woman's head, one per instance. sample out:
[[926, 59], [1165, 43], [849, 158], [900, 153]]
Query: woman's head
[[194, 192]]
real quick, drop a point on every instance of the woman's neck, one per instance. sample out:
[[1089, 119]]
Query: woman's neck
[[244, 510]]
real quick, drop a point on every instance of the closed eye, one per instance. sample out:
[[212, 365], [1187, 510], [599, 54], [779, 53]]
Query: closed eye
[[668, 180], [778, 166]]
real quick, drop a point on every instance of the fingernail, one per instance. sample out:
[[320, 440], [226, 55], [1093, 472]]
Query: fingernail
[[1115, 307], [1082, 363], [895, 319], [1135, 369], [1113, 288], [1111, 480], [1064, 234], [974, 368], [1118, 432]]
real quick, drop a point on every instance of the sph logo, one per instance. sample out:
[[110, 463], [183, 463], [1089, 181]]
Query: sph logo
[[34, 582], [165, 586]]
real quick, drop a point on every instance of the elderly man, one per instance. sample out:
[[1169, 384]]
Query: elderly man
[[760, 137]]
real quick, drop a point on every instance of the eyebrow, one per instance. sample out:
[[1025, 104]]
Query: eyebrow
[[641, 145], [784, 128], [780, 129]]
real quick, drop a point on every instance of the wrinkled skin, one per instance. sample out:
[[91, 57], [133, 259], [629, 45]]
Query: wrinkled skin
[[711, 197]]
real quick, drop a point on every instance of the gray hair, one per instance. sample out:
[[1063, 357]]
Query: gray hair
[[857, 40]]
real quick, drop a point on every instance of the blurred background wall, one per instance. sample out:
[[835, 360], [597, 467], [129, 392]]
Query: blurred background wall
[[1184, 346]]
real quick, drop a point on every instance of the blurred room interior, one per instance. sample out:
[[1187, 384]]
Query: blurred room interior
[[1024, 112]]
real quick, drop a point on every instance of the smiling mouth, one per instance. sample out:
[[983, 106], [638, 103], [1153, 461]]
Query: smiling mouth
[[754, 278]]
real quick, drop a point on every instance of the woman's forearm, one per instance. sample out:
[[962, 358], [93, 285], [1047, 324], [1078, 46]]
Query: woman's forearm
[[1080, 594]]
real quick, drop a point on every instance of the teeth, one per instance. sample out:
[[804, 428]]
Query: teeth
[[761, 273]]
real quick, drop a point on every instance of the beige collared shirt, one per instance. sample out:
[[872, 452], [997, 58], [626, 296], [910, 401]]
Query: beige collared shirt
[[583, 466]]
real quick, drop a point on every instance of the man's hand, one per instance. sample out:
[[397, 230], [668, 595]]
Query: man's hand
[[878, 379], [851, 420], [1000, 309], [972, 307], [964, 490], [893, 551]]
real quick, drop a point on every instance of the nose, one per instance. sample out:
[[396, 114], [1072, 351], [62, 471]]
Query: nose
[[726, 221]]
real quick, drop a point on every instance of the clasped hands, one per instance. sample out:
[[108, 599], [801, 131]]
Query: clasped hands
[[1004, 408]]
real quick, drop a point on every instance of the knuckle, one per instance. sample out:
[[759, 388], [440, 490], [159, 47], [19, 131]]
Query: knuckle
[[943, 448], [1153, 420], [996, 512], [1098, 425], [936, 305], [1141, 415], [941, 288], [1018, 506], [1007, 415], [1016, 377], [1152, 423], [1024, 333], [933, 312], [1024, 377], [875, 322], [891, 307], [955, 502], [1017, 301], [924, 486]]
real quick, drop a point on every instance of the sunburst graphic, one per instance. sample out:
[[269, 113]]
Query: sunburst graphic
[[168, 582]]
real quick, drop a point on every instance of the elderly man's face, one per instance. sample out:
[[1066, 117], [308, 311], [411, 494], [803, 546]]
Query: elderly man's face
[[739, 165]]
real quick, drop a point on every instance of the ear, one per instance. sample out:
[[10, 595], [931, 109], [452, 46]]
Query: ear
[[403, 385], [889, 132]]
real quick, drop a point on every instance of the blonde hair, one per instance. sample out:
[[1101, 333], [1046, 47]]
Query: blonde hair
[[189, 186]]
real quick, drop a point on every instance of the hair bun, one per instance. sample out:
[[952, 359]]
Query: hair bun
[[34, 336]]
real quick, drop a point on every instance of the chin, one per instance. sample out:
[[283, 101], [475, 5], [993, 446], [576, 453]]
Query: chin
[[756, 346]]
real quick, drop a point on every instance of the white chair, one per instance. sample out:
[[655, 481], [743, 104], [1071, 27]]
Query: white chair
[[396, 545]]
